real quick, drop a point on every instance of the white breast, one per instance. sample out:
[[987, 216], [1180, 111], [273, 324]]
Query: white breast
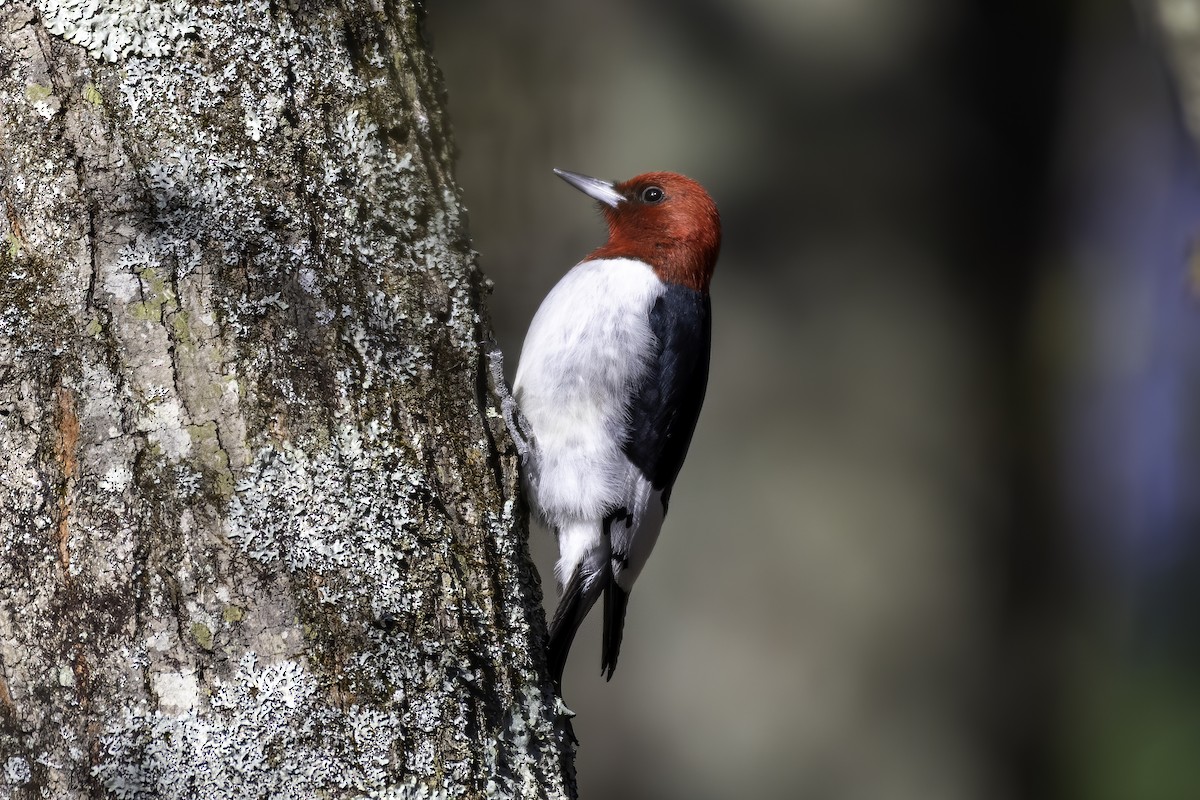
[[586, 348]]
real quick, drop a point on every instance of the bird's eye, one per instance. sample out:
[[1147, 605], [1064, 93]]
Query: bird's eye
[[652, 194]]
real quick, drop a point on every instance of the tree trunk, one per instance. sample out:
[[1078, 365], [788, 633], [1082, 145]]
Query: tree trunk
[[260, 528], [1176, 23]]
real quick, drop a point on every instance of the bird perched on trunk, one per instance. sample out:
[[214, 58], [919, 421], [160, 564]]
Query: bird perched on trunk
[[610, 383]]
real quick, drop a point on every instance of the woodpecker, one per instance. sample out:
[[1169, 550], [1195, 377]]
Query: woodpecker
[[608, 390]]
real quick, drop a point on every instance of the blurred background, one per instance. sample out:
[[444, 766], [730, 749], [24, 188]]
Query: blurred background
[[937, 534]]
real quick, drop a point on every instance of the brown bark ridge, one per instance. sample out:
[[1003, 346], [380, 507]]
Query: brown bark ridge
[[260, 529]]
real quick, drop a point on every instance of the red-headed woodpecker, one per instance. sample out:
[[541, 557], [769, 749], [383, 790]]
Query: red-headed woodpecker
[[610, 383]]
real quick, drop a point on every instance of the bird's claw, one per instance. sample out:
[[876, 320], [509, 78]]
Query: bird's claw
[[514, 420]]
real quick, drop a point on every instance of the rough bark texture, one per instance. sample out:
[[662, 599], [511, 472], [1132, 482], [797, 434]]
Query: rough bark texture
[[260, 530]]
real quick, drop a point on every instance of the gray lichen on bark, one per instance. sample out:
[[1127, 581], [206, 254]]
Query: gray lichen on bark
[[261, 531]]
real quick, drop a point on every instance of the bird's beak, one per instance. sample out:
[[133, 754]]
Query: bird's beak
[[592, 187]]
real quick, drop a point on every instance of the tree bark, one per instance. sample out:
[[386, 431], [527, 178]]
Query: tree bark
[[260, 527]]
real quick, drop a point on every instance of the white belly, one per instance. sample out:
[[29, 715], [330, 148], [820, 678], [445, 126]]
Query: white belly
[[585, 351]]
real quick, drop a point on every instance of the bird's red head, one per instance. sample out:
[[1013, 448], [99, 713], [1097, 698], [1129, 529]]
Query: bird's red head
[[662, 218]]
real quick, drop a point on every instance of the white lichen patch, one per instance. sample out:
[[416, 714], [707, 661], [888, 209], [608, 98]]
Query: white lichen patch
[[46, 107], [115, 29], [350, 515], [177, 692], [187, 481], [346, 512], [17, 771], [263, 734], [116, 479], [164, 424]]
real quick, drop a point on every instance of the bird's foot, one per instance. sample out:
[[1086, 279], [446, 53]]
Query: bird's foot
[[514, 420]]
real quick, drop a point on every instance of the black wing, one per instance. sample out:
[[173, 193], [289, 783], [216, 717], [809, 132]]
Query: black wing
[[662, 418], [665, 407]]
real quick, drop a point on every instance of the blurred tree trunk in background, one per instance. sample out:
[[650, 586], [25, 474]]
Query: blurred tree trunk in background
[[259, 535], [1178, 24]]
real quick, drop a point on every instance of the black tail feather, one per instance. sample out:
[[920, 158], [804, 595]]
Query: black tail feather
[[616, 600], [573, 607]]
